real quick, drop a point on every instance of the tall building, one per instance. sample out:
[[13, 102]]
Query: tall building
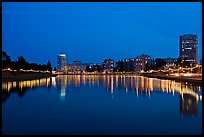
[[189, 48], [108, 65], [61, 62], [141, 61]]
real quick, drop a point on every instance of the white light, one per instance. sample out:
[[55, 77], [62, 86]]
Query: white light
[[187, 74], [63, 94]]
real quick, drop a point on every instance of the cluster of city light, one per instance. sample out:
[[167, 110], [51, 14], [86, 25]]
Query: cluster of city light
[[172, 70], [136, 83], [23, 84], [185, 74], [142, 71], [30, 70]]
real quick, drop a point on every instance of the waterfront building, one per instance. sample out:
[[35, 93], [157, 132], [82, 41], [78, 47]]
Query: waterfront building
[[61, 62], [76, 62], [189, 48], [129, 64], [141, 62], [76, 67], [107, 65], [96, 67], [170, 62]]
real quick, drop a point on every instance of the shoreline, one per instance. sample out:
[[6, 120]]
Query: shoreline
[[195, 81], [28, 77]]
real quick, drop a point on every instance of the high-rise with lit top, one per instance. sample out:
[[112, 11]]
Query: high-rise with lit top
[[189, 48], [61, 62]]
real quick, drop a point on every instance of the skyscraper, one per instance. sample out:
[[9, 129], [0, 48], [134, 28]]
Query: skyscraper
[[189, 48], [61, 62]]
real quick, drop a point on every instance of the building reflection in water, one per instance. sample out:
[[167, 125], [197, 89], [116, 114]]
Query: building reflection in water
[[61, 82], [188, 102], [141, 86]]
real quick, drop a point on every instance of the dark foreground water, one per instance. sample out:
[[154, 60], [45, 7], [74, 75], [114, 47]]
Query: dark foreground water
[[101, 105]]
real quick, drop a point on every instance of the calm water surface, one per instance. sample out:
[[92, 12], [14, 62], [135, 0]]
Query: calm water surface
[[74, 104]]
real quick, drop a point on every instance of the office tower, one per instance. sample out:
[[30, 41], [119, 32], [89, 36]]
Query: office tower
[[61, 62], [189, 48]]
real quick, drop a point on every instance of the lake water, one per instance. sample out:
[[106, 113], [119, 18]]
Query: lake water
[[79, 104]]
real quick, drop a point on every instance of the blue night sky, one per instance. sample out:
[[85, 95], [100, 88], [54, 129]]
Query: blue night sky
[[91, 32]]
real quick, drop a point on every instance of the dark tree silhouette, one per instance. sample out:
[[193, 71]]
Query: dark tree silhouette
[[120, 66], [21, 59], [21, 63], [179, 60], [159, 63], [6, 60], [88, 68], [49, 66], [185, 62], [149, 67], [129, 66]]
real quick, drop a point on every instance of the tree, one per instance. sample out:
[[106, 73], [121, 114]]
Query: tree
[[129, 66], [49, 66], [179, 61], [159, 63], [88, 68], [5, 57], [132, 66], [185, 62], [149, 67], [120, 66], [21, 63], [114, 69], [98, 68], [21, 59], [6, 60]]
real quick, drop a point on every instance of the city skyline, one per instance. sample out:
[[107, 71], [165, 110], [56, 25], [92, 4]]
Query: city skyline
[[92, 32]]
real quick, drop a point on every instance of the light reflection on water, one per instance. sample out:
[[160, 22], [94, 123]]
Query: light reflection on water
[[189, 94], [108, 82], [129, 83], [134, 100]]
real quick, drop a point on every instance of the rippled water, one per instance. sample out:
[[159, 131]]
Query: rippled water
[[79, 104]]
